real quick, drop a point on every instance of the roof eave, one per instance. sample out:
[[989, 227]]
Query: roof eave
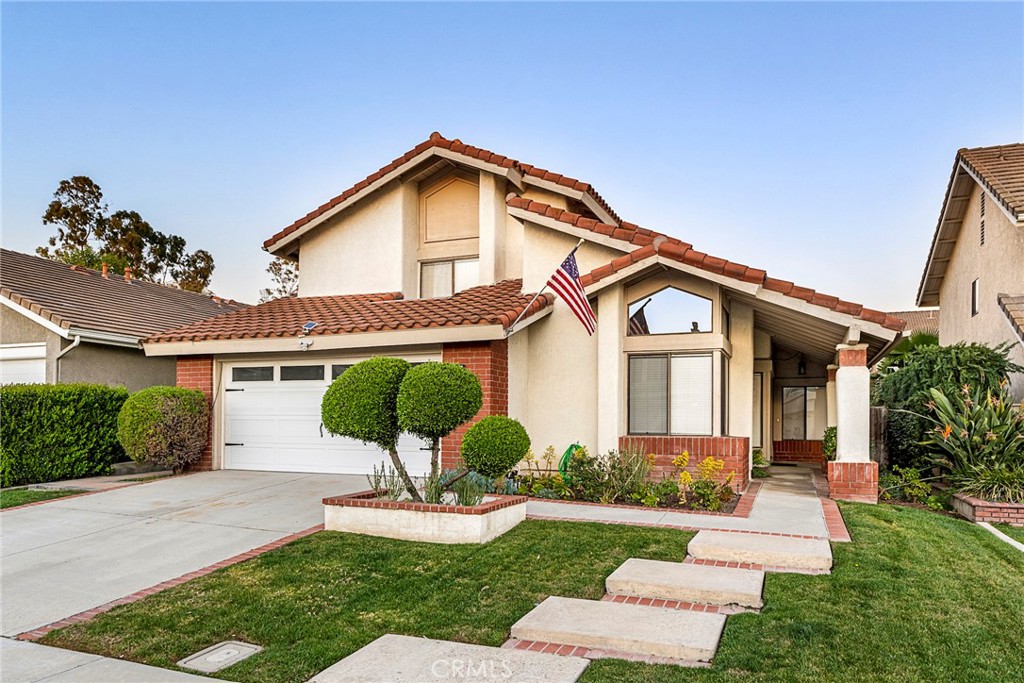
[[329, 342]]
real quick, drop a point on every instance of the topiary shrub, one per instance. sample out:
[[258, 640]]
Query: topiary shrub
[[53, 432], [361, 404], [829, 442], [169, 426], [434, 399], [494, 445]]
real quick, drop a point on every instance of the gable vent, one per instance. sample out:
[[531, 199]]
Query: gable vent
[[982, 233], [982, 204]]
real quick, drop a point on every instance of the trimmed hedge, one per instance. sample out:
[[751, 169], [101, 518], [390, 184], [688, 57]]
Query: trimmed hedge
[[53, 432], [360, 404], [435, 398], [494, 445], [169, 426]]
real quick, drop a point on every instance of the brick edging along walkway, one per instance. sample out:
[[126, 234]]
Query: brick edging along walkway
[[742, 509], [89, 614]]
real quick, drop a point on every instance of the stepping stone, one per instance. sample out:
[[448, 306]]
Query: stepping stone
[[625, 628], [404, 659], [772, 551], [704, 584]]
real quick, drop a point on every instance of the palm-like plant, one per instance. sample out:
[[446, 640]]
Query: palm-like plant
[[978, 439]]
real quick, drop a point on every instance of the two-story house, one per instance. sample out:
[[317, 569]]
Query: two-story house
[[437, 256], [975, 267]]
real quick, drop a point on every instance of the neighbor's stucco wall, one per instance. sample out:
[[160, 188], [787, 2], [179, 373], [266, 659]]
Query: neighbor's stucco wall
[[365, 248], [17, 329], [113, 365], [997, 265]]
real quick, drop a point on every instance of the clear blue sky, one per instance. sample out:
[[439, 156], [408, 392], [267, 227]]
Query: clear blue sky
[[812, 140]]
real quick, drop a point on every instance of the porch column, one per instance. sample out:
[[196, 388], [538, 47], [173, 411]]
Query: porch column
[[830, 397], [611, 318], [853, 476]]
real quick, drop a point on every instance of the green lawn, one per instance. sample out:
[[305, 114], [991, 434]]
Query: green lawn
[[9, 499], [1014, 532], [917, 597]]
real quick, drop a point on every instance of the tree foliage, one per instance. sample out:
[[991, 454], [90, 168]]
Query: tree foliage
[[284, 276], [89, 235]]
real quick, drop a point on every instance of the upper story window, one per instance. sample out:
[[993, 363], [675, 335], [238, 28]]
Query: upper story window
[[975, 298], [444, 278], [669, 311]]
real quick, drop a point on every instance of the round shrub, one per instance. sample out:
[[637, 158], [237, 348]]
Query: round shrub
[[169, 426], [494, 445], [435, 398], [360, 404]]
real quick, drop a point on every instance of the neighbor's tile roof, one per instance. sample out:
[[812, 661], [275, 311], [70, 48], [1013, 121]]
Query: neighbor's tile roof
[[920, 320], [650, 243], [456, 145], [1001, 169], [82, 298], [1013, 308], [497, 304]]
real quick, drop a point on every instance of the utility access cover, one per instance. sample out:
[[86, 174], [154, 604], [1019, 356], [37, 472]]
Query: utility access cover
[[219, 656]]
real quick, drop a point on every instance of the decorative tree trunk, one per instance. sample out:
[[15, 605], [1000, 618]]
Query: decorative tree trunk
[[406, 479]]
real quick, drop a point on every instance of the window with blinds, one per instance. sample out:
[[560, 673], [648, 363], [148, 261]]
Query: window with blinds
[[671, 394]]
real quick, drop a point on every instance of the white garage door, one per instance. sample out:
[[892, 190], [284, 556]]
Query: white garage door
[[22, 363], [272, 422]]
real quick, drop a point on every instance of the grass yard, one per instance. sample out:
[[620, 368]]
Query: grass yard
[[1014, 532], [9, 499], [325, 596], [918, 597]]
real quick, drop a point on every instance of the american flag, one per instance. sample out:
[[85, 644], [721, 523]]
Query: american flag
[[566, 283]]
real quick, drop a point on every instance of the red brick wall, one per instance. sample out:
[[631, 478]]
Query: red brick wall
[[196, 372], [797, 451], [734, 450], [856, 481], [978, 510], [489, 362]]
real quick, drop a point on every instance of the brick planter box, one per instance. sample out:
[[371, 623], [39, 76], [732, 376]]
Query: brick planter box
[[364, 513], [978, 510]]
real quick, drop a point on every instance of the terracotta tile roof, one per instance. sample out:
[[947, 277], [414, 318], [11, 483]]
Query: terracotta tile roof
[[1001, 169], [77, 297], [650, 243], [920, 320], [497, 304], [456, 145], [1013, 308]]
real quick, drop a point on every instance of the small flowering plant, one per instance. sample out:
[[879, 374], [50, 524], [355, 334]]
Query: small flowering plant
[[705, 492]]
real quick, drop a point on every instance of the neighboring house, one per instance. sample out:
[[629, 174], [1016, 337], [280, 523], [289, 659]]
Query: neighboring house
[[924, 320], [437, 256], [975, 267], [62, 324]]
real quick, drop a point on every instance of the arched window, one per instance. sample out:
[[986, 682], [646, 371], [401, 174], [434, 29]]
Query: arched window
[[669, 311]]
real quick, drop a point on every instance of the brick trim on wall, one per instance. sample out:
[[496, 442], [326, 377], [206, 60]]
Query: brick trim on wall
[[196, 372], [978, 510], [489, 362], [790, 450], [854, 481], [734, 450]]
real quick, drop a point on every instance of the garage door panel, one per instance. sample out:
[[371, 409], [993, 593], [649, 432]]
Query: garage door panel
[[279, 425]]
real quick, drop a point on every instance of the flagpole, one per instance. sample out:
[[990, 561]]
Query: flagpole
[[536, 296]]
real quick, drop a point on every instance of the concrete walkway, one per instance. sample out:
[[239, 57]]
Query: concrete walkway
[[22, 662], [71, 555], [787, 504]]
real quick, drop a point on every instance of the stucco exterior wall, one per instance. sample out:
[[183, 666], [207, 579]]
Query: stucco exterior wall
[[997, 265], [380, 224], [17, 329], [741, 370], [112, 365], [545, 249]]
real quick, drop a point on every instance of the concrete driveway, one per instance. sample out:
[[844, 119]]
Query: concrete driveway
[[68, 556]]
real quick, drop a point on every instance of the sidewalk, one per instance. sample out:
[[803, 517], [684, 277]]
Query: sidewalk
[[786, 504], [23, 662]]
